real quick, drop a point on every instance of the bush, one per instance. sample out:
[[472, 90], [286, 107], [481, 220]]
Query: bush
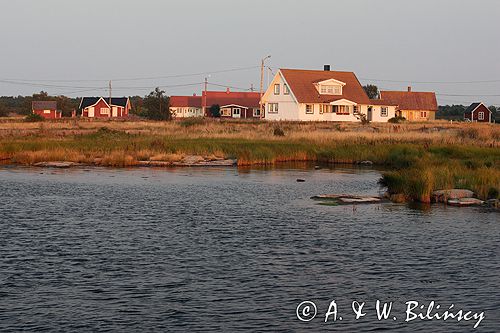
[[191, 122], [397, 120], [278, 131], [33, 118]]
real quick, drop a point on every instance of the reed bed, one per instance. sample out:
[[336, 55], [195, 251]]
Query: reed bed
[[421, 157]]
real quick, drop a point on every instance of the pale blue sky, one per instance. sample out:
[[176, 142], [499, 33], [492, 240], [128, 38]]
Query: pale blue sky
[[425, 40]]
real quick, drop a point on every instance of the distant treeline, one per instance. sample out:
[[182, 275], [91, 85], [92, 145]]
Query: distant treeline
[[456, 112]]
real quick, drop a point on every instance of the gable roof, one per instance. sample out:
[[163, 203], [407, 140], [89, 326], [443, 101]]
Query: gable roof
[[245, 99], [472, 107], [44, 105], [302, 84], [411, 100], [185, 101], [116, 101]]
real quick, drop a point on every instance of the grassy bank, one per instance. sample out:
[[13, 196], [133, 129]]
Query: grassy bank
[[422, 157]]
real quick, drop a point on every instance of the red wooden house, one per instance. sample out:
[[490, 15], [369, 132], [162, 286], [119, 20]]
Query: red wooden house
[[46, 109], [244, 105], [478, 112], [100, 107]]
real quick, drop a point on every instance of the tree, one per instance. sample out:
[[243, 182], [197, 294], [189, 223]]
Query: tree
[[157, 105], [371, 90], [215, 111], [4, 112]]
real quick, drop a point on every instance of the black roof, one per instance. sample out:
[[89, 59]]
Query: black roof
[[44, 105], [472, 107], [116, 101]]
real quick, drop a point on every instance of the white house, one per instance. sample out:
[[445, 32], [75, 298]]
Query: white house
[[312, 95]]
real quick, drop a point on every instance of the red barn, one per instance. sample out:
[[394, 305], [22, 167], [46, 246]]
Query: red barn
[[244, 105], [478, 112], [99, 107], [46, 109]]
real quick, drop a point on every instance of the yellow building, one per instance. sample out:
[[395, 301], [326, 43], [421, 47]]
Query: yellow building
[[412, 105]]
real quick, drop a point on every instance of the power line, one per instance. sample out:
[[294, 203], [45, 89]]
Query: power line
[[430, 82], [137, 78]]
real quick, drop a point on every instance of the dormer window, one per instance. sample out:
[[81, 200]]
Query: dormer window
[[330, 90], [330, 87]]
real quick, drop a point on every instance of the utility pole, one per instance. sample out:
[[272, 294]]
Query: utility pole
[[262, 85], [205, 98], [110, 97]]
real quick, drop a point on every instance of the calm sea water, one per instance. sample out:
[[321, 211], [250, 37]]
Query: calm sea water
[[226, 250]]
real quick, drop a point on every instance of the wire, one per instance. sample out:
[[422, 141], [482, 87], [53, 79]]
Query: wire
[[141, 78], [430, 82]]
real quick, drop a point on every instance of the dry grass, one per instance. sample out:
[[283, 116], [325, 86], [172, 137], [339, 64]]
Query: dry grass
[[425, 156]]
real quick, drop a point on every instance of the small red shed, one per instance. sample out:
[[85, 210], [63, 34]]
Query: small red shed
[[478, 112], [46, 109], [99, 107]]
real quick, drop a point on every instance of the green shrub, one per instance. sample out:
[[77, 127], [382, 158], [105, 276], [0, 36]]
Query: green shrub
[[278, 131], [191, 122], [397, 120], [33, 118]]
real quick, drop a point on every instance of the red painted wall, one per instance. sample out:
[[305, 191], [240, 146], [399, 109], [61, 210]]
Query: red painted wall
[[54, 114], [121, 111], [475, 114]]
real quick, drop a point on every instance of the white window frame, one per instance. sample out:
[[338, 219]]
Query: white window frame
[[286, 90], [46, 111], [423, 114], [104, 111], [256, 112], [277, 88], [273, 107], [384, 111], [480, 115], [226, 112], [311, 107], [237, 112], [330, 89]]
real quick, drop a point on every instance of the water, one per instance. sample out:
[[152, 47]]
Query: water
[[215, 250]]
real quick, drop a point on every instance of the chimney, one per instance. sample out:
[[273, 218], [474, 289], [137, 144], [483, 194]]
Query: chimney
[[326, 68], [227, 91], [409, 88]]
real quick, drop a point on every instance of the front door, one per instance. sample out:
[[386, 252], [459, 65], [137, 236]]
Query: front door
[[115, 112], [370, 111], [236, 113], [91, 112]]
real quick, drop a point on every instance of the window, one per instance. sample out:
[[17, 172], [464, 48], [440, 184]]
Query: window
[[384, 111], [46, 111], [256, 112], [286, 90], [321, 108], [277, 89], [330, 90], [104, 110], [236, 111], [309, 108], [225, 112], [480, 115], [341, 109], [423, 114], [273, 107], [356, 109]]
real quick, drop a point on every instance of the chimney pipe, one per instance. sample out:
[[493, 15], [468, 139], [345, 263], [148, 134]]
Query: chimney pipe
[[409, 88], [228, 91], [326, 68]]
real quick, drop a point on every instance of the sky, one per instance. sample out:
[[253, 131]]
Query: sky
[[74, 47]]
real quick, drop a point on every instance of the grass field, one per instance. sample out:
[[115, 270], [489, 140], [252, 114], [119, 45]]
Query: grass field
[[421, 157]]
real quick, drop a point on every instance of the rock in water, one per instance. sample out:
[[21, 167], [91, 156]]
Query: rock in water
[[462, 202], [300, 180], [445, 195]]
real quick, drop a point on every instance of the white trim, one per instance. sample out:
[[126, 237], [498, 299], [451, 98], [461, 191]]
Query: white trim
[[343, 101], [329, 81], [235, 105]]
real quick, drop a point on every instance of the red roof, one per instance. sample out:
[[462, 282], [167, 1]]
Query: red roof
[[302, 84], [222, 98], [185, 101], [411, 100]]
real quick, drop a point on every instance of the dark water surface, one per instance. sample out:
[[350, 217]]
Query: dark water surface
[[226, 250]]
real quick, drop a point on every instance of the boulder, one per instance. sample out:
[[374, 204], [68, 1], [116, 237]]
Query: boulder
[[346, 199], [56, 164], [367, 163], [444, 195], [462, 202]]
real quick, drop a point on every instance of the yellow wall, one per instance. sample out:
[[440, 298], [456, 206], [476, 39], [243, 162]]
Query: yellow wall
[[415, 115]]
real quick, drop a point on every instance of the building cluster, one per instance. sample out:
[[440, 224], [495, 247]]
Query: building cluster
[[293, 95]]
